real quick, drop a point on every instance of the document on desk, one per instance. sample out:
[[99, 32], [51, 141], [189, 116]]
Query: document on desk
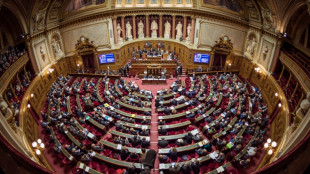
[[81, 166], [87, 169], [119, 147], [220, 169], [194, 132], [161, 166]]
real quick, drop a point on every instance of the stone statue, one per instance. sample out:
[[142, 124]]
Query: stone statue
[[304, 106], [167, 29], [268, 19], [42, 52], [119, 31], [251, 46], [189, 29], [128, 31], [265, 52], [4, 108], [141, 29], [38, 20], [57, 48], [154, 28], [179, 31]]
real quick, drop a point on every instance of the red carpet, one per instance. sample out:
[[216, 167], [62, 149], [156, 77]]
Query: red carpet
[[154, 119]]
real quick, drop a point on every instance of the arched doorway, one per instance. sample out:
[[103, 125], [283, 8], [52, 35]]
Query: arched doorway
[[221, 50], [86, 51]]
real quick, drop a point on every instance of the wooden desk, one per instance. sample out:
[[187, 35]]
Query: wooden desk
[[95, 123], [201, 117], [124, 135], [224, 132], [181, 106], [115, 161], [142, 95], [87, 169], [136, 126], [173, 126], [244, 150], [165, 166], [62, 149], [175, 137], [119, 146], [73, 139], [133, 107], [140, 117], [94, 75], [169, 117], [154, 81], [183, 148]]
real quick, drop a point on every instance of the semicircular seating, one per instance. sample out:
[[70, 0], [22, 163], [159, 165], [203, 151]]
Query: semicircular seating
[[211, 123]]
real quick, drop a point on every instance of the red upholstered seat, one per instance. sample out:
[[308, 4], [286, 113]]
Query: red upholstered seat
[[107, 152], [65, 161], [103, 168], [111, 171]]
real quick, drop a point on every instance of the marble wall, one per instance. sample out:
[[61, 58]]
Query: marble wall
[[210, 31], [266, 52], [97, 31], [42, 53]]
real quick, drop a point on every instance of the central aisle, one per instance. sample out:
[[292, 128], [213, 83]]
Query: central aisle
[[154, 119]]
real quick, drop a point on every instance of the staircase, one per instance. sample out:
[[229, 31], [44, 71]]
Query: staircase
[[183, 69]]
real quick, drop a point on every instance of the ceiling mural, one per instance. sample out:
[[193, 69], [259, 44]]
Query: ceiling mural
[[78, 4], [232, 5]]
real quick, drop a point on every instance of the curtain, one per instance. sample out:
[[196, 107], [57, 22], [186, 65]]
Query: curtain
[[88, 61]]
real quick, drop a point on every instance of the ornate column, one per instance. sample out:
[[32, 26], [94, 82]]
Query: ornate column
[[192, 30], [147, 27], [173, 26], [31, 55], [134, 27], [115, 31], [281, 73], [123, 27], [184, 27], [161, 25]]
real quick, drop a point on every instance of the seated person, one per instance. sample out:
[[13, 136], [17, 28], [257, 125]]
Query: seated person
[[134, 155], [163, 158], [163, 143], [173, 154], [180, 142], [162, 131]]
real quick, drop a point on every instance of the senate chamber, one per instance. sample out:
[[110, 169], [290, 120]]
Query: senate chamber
[[154, 86]]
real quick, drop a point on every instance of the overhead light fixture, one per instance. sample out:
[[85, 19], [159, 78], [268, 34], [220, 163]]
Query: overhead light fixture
[[38, 146], [269, 146], [28, 105], [31, 95], [276, 94], [280, 105]]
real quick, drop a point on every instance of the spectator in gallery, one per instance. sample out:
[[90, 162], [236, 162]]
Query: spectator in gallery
[[199, 69]]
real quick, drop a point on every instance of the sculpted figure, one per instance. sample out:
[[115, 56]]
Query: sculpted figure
[[119, 31], [179, 30], [167, 29], [154, 28], [128, 30], [140, 29], [251, 46]]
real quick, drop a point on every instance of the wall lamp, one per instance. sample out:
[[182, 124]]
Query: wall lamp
[[270, 146], [38, 146]]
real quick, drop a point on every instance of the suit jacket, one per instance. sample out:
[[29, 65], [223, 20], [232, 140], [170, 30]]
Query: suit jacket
[[163, 143]]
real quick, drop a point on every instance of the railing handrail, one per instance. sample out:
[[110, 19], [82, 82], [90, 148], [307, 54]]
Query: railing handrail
[[11, 71]]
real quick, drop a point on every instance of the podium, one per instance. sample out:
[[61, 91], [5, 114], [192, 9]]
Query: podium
[[155, 70]]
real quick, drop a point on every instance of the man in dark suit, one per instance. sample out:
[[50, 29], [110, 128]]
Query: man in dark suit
[[167, 111], [196, 166], [124, 153], [188, 138], [162, 131], [163, 143], [144, 143], [186, 168], [135, 141]]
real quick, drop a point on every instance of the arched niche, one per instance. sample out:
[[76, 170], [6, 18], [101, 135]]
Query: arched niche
[[221, 50], [86, 52]]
